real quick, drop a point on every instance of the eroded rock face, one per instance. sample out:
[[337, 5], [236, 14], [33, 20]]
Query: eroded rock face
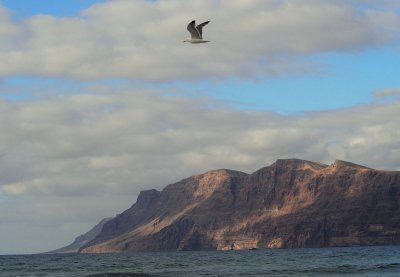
[[292, 203]]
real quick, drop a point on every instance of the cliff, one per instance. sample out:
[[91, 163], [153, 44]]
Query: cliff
[[291, 203]]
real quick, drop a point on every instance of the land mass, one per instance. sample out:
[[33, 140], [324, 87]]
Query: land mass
[[81, 240], [291, 203]]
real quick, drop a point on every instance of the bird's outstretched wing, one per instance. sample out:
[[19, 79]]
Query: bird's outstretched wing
[[195, 34], [200, 28]]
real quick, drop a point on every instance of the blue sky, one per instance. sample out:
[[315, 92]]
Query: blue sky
[[97, 102], [345, 80], [23, 9], [350, 80]]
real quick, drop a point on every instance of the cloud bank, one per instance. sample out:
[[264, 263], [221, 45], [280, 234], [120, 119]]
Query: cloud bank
[[142, 40], [52, 145]]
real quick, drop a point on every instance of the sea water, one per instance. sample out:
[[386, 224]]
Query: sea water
[[354, 261]]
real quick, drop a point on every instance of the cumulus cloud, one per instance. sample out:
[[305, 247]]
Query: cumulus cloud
[[82, 134], [142, 40], [119, 143]]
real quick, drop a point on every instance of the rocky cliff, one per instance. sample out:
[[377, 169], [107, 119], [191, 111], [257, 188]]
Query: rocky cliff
[[291, 203]]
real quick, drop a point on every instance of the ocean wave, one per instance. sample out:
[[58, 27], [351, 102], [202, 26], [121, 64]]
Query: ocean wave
[[121, 274]]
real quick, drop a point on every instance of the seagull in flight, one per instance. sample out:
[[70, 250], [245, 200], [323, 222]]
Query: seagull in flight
[[196, 32]]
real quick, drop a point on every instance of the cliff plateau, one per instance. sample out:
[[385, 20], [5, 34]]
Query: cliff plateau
[[291, 203]]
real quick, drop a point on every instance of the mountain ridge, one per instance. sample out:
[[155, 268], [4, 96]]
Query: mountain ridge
[[290, 203]]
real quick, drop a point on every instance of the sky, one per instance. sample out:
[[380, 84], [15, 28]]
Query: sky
[[102, 99]]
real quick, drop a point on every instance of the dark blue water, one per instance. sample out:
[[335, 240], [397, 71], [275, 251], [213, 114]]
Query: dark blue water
[[357, 261]]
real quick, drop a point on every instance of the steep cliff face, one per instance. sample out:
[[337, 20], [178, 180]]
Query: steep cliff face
[[292, 203]]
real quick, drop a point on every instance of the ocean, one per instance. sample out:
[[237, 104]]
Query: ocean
[[354, 261]]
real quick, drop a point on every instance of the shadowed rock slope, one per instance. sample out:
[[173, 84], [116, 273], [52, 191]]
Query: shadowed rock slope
[[292, 203], [81, 240]]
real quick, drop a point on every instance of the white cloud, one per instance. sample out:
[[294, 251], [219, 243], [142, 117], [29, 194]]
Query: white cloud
[[143, 40], [95, 140], [92, 154]]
